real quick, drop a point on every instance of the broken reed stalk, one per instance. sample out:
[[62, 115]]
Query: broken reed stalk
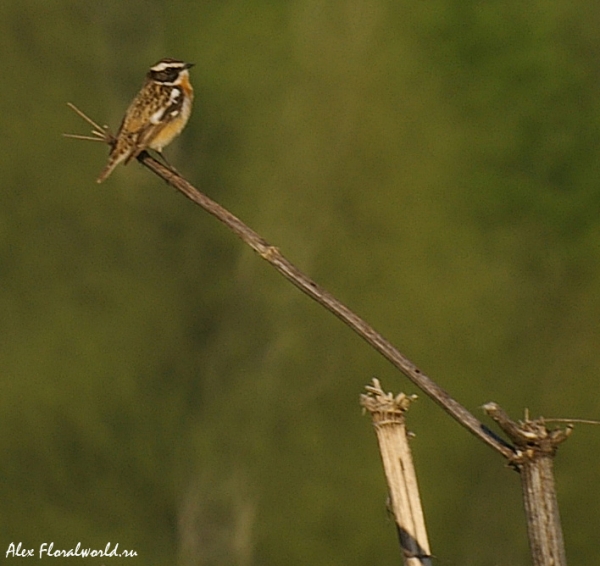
[[536, 447], [387, 413]]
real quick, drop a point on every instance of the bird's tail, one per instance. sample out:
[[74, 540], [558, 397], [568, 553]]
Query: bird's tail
[[113, 161]]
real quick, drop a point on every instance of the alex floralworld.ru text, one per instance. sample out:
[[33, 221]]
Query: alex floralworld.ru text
[[47, 549]]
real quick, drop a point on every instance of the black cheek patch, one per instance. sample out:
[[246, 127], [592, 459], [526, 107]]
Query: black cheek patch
[[166, 76]]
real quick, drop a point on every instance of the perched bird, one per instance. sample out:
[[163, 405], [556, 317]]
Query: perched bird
[[156, 115]]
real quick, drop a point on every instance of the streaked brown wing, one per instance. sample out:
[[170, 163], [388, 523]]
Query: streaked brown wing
[[145, 136], [146, 131]]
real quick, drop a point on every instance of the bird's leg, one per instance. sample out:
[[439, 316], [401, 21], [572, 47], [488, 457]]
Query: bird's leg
[[164, 160]]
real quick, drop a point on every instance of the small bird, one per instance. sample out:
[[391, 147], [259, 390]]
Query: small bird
[[156, 115]]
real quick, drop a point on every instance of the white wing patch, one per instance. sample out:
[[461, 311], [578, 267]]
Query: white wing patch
[[156, 118]]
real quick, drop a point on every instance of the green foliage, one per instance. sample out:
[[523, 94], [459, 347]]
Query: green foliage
[[434, 165]]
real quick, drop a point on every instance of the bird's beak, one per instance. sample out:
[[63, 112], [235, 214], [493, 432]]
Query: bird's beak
[[189, 65]]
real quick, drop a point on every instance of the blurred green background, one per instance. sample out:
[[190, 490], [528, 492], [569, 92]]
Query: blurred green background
[[435, 165]]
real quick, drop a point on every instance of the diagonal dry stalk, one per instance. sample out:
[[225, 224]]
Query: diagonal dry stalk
[[314, 291]]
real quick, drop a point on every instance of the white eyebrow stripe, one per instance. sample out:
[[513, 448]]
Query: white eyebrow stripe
[[162, 66]]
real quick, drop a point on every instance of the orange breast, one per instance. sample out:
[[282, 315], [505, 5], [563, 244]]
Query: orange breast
[[166, 134]]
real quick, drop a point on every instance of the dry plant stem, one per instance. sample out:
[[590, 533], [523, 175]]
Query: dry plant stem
[[99, 133], [536, 447], [308, 286], [388, 416], [544, 529]]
